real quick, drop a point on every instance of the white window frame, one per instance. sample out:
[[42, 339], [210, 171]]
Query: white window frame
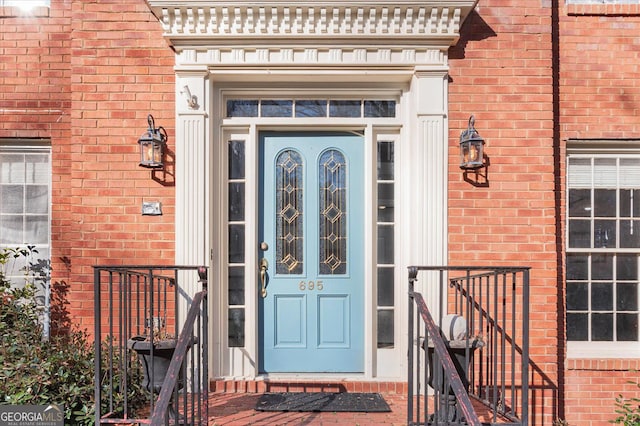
[[38, 147], [599, 149], [25, 4]]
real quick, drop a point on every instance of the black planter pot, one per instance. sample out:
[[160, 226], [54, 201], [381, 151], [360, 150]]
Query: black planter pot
[[448, 410], [162, 353]]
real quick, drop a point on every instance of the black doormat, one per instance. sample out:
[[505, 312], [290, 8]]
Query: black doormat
[[323, 401]]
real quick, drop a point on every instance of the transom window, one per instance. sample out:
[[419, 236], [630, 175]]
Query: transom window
[[306, 108], [603, 248]]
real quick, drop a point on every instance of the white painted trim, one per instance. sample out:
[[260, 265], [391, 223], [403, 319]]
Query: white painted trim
[[603, 350], [190, 22], [401, 57]]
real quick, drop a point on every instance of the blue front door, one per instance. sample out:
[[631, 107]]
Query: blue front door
[[311, 277]]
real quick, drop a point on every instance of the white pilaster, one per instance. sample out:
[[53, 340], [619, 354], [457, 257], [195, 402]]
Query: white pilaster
[[427, 178], [192, 147]]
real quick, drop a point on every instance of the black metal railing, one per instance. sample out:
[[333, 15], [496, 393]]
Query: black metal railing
[[469, 364], [151, 364]]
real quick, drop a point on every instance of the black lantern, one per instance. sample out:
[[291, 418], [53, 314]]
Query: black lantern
[[471, 147], [152, 145]]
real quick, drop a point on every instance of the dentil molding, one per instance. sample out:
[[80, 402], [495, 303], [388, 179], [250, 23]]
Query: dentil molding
[[200, 24]]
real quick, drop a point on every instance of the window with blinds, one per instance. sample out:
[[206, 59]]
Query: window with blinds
[[603, 247]]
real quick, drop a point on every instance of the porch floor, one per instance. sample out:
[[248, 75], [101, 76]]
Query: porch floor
[[233, 403], [238, 409]]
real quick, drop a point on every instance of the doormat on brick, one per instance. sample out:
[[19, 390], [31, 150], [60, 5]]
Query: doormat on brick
[[323, 401]]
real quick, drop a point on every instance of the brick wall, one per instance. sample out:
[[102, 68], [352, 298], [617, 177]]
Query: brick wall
[[122, 71], [35, 100], [599, 97], [501, 71], [85, 74]]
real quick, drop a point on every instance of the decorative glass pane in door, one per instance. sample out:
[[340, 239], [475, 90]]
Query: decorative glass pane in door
[[289, 212]]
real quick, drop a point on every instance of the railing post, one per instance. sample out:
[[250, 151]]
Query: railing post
[[203, 274], [98, 342], [525, 348], [413, 273]]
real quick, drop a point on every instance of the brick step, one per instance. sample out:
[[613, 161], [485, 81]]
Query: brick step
[[283, 385]]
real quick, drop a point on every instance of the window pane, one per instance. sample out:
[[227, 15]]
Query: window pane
[[577, 266], [627, 327], [604, 233], [344, 109], [627, 267], [276, 108], [602, 267], [602, 327], [37, 168], [385, 286], [12, 168], [11, 229], [236, 327], [385, 244], [604, 173], [630, 233], [236, 243], [630, 202], [385, 202], [311, 108], [604, 202], [629, 171], [37, 199], [385, 329], [627, 297], [385, 160], [577, 327], [36, 230], [579, 233], [242, 108], [236, 159], [379, 108], [601, 297], [236, 285], [236, 201], [12, 198], [580, 202], [579, 172], [577, 296]]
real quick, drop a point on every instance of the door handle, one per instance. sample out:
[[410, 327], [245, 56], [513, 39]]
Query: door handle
[[264, 265]]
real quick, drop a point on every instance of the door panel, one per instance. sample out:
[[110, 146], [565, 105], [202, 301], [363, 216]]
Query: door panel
[[333, 321], [311, 308], [290, 328]]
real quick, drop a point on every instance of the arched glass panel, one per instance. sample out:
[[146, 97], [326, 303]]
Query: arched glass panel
[[333, 213], [289, 213]]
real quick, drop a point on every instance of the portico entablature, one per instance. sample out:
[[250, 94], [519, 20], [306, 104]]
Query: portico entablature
[[284, 33]]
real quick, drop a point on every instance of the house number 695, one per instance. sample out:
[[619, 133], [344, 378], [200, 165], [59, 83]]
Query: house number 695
[[310, 285]]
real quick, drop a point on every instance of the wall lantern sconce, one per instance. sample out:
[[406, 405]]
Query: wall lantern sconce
[[152, 146], [471, 147]]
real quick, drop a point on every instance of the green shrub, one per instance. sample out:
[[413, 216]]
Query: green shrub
[[58, 370], [628, 409]]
